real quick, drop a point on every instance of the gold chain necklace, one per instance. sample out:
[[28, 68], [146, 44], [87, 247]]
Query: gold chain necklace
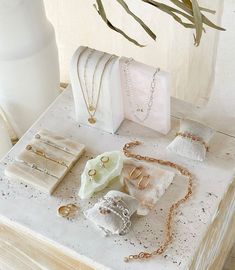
[[174, 206], [91, 119]]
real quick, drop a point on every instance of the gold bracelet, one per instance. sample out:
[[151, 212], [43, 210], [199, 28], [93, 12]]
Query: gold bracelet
[[169, 231], [193, 138], [43, 154]]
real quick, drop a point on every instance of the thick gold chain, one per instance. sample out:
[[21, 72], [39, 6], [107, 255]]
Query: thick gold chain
[[174, 206]]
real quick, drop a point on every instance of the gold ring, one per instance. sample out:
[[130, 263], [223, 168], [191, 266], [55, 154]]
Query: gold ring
[[67, 210], [104, 160]]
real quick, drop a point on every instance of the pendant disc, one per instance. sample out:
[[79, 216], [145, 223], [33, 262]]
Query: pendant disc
[[91, 120]]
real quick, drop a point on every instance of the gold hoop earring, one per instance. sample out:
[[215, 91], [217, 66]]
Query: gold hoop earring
[[104, 160], [135, 173], [143, 182], [92, 174]]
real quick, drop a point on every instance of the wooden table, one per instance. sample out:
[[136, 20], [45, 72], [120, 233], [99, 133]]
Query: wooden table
[[204, 227]]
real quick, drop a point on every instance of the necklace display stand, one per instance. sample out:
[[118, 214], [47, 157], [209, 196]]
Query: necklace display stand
[[91, 69], [146, 95]]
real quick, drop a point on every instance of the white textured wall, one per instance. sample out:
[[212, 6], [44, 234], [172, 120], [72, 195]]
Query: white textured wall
[[220, 111], [77, 23]]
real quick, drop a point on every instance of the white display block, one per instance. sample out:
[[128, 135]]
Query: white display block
[[136, 86], [110, 113]]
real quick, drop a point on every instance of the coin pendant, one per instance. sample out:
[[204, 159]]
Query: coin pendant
[[92, 120]]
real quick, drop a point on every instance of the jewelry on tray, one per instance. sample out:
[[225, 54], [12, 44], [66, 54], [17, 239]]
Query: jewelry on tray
[[90, 104], [65, 149], [34, 166], [194, 138], [41, 153], [172, 209], [131, 96], [104, 160], [118, 207], [92, 174], [143, 182], [68, 210]]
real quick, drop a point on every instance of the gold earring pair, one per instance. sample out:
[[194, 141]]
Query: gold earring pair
[[136, 174], [93, 172]]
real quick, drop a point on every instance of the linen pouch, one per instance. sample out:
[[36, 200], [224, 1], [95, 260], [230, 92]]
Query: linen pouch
[[192, 140], [145, 182], [108, 216]]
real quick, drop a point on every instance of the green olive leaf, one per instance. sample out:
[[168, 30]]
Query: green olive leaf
[[100, 9], [143, 25], [198, 21]]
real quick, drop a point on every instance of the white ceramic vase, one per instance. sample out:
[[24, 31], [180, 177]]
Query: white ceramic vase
[[29, 66]]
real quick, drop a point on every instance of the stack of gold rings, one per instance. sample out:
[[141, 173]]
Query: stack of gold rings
[[68, 210]]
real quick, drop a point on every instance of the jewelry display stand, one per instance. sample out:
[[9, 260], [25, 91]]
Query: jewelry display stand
[[91, 69], [146, 95], [45, 161]]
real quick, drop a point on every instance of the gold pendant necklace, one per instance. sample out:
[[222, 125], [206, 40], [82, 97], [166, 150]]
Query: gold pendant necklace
[[90, 106]]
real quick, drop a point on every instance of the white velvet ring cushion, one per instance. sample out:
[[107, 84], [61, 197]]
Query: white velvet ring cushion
[[159, 181], [186, 147], [110, 223]]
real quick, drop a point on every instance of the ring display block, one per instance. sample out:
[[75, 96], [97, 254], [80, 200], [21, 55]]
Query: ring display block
[[45, 161]]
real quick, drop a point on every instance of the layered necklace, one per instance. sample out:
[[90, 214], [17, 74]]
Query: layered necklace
[[91, 100], [136, 109]]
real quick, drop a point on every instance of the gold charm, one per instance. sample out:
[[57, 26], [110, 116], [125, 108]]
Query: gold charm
[[92, 120], [91, 108], [92, 174], [104, 160]]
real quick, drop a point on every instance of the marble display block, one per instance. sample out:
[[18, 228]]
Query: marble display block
[[109, 110], [137, 84], [45, 161]]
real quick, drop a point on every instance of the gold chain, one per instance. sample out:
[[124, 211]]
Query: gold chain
[[174, 206], [193, 138]]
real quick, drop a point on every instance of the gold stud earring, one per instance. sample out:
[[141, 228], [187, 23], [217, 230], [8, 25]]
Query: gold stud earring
[[135, 173], [143, 182], [104, 160], [92, 174]]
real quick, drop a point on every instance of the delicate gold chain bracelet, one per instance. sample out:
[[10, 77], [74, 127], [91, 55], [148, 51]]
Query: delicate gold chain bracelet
[[174, 206], [193, 138]]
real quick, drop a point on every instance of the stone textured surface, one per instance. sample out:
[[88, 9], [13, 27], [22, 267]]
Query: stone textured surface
[[34, 212]]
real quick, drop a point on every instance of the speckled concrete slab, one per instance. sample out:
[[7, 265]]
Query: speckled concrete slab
[[35, 212]]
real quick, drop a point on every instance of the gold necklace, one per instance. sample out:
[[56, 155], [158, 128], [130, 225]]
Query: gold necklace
[[169, 235], [90, 108]]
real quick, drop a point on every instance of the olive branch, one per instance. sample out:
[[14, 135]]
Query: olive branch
[[188, 13]]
